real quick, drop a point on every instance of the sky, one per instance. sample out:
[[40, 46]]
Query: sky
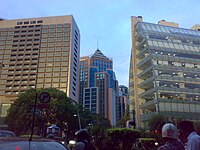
[[107, 22]]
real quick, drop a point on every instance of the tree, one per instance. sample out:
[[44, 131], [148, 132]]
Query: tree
[[123, 120], [121, 138], [58, 111], [156, 122], [98, 127]]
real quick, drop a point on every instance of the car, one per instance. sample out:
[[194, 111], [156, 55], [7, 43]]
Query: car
[[18, 143], [6, 133]]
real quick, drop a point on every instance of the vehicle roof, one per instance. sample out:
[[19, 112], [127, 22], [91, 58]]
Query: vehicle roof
[[6, 131], [3, 139]]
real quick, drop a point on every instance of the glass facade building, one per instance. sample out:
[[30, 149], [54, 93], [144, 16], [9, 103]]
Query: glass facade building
[[98, 85], [164, 72]]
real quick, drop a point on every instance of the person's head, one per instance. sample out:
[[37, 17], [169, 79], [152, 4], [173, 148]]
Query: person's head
[[169, 132], [197, 126], [82, 134]]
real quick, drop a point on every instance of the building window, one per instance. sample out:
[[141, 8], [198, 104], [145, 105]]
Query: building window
[[19, 23], [39, 21], [26, 22], [33, 22]]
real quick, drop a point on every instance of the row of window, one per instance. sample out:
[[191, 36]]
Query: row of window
[[29, 22], [75, 67], [56, 35], [19, 80], [173, 63], [55, 69], [167, 29], [26, 31], [165, 44], [5, 34], [26, 40], [54, 54], [67, 25], [53, 85], [55, 59], [56, 49], [26, 35], [63, 44], [67, 30], [30, 26], [52, 80], [24, 54]]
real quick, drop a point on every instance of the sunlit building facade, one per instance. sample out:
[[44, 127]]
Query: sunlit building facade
[[98, 85], [164, 72], [38, 53]]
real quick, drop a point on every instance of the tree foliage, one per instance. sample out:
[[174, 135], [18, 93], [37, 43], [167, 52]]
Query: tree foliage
[[156, 123], [58, 111], [123, 120], [121, 138]]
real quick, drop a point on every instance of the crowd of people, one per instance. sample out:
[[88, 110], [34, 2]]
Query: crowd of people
[[185, 137]]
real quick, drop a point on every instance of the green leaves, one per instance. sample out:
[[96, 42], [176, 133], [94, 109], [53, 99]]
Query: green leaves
[[59, 111], [122, 138]]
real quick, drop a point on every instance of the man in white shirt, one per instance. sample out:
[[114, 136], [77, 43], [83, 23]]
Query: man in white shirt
[[193, 139], [197, 126]]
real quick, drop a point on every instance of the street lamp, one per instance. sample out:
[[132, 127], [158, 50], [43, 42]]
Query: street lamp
[[78, 116]]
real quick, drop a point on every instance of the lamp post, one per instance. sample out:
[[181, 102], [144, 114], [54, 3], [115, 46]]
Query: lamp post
[[78, 116]]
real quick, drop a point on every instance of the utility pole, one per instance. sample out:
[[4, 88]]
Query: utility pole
[[78, 115]]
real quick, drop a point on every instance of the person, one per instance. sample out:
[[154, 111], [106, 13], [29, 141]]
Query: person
[[197, 126], [170, 136], [83, 140], [191, 136]]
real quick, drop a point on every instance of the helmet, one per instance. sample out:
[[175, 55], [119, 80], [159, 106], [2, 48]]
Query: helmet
[[82, 134], [169, 131]]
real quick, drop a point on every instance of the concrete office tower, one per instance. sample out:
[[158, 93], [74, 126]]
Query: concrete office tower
[[164, 72], [123, 101], [38, 53], [98, 85]]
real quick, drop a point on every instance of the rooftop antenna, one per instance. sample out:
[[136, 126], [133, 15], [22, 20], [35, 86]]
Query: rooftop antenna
[[97, 45]]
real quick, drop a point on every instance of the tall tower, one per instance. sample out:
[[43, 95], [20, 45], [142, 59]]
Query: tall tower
[[123, 101], [164, 72], [38, 53], [98, 85]]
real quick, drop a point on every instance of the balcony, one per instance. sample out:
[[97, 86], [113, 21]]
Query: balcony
[[147, 73], [177, 68], [145, 63], [140, 54], [148, 93], [148, 104], [145, 117], [179, 90], [178, 79], [148, 83]]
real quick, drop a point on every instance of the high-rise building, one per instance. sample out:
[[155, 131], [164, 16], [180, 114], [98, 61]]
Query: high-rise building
[[98, 85], [164, 71], [123, 101], [38, 53]]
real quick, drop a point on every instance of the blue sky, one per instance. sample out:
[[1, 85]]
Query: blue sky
[[107, 21]]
